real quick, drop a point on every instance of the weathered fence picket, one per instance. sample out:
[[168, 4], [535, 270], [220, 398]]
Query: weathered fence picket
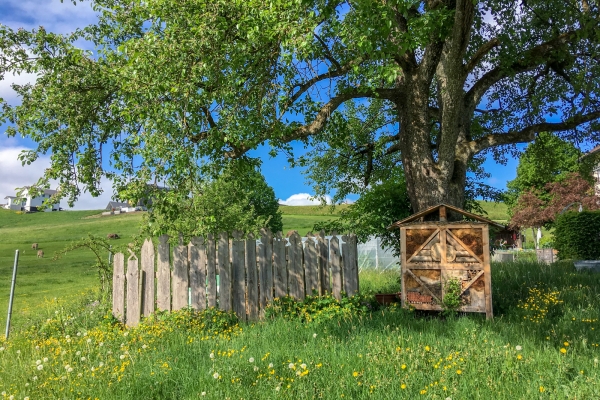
[[323, 254], [132, 312], [179, 279], [251, 278], [163, 275], [238, 276], [279, 266], [211, 271], [336, 271], [118, 286], [197, 257], [147, 259], [242, 275], [224, 273]]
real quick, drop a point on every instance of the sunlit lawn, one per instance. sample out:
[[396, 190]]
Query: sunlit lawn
[[543, 343]]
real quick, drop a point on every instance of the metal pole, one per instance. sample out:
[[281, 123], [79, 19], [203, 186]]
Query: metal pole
[[12, 294]]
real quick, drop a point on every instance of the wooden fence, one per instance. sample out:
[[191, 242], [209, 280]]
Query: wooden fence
[[250, 273]]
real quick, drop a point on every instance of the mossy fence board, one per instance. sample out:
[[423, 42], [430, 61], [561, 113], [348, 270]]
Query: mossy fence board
[[232, 273]]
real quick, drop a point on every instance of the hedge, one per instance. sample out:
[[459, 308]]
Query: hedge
[[577, 235]]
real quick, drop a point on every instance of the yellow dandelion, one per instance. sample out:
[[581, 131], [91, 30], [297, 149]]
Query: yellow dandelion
[[566, 344], [403, 386], [458, 372], [519, 357], [563, 350], [427, 348], [355, 374], [542, 389], [403, 366]]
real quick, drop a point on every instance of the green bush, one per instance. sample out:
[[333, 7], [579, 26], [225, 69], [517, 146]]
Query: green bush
[[577, 235]]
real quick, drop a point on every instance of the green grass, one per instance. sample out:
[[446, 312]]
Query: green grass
[[495, 211], [388, 353]]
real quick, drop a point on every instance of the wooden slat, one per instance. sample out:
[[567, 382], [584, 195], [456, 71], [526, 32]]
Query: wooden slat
[[345, 265], [119, 287], [437, 265], [197, 255], [252, 278], [133, 295], [352, 265], [487, 273], [148, 277], [163, 275], [280, 266], [224, 272], [323, 254], [336, 270], [311, 266], [238, 276], [265, 267], [295, 269], [179, 278], [211, 274]]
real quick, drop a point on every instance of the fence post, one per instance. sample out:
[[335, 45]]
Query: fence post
[[12, 294], [323, 254]]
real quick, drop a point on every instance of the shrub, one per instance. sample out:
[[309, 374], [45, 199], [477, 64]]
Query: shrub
[[577, 235], [319, 308]]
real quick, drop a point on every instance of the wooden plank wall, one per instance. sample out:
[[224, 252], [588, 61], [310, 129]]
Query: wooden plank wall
[[234, 272]]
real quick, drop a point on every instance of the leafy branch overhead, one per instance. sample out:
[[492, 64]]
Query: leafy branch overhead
[[173, 89]]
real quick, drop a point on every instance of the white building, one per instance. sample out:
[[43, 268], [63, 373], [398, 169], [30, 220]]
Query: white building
[[28, 203], [596, 171]]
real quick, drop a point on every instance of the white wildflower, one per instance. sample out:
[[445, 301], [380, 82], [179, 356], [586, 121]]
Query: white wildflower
[[40, 367], [216, 375], [251, 359], [314, 335], [519, 348]]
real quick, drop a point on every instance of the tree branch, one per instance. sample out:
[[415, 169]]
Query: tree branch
[[532, 58], [328, 54], [480, 53], [308, 84], [526, 134], [321, 119]]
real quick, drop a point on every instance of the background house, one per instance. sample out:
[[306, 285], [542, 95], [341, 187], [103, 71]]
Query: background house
[[28, 202]]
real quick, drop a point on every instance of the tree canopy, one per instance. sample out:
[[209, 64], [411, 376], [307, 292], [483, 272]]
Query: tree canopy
[[172, 90], [546, 160]]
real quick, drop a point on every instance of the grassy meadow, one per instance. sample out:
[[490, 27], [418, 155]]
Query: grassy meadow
[[544, 341]]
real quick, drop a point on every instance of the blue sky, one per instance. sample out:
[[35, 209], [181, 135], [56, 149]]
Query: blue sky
[[288, 183]]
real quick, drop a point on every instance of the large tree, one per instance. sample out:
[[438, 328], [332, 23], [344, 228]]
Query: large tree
[[171, 86]]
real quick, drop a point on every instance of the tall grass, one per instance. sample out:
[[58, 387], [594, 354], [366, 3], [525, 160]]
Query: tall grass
[[542, 343]]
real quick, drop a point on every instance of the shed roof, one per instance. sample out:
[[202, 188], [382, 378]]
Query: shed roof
[[425, 212]]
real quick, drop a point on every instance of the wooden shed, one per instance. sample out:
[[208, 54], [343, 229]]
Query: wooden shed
[[434, 252]]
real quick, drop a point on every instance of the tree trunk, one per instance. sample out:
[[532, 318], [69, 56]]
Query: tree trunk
[[429, 181]]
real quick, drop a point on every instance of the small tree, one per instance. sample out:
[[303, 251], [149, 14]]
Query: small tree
[[534, 210]]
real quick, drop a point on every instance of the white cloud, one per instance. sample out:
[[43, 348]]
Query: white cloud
[[55, 16], [13, 175], [303, 199]]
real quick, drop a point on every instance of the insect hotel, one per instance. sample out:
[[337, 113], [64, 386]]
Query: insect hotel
[[435, 252]]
